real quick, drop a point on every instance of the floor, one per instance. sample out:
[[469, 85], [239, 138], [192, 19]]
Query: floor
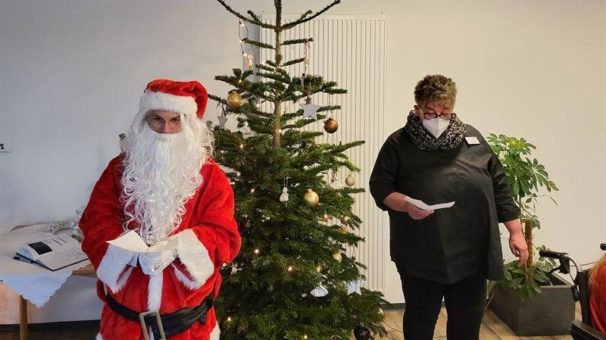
[[86, 330], [492, 329]]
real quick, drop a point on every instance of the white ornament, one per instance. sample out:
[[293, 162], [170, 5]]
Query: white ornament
[[284, 195], [310, 110], [350, 180], [354, 287], [319, 291], [245, 129]]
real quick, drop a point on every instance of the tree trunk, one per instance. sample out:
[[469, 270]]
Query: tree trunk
[[528, 237]]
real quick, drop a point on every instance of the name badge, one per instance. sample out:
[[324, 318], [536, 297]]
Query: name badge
[[472, 140]]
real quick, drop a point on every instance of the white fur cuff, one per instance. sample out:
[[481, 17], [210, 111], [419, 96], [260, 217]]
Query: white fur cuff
[[194, 255], [216, 333], [111, 270]]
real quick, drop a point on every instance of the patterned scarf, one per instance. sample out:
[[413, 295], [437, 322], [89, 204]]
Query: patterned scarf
[[448, 140]]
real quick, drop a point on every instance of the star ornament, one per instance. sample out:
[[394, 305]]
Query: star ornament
[[310, 110], [354, 287]]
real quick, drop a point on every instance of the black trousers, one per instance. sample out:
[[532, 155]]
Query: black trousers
[[465, 301]]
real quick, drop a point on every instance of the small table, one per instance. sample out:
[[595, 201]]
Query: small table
[[23, 322], [8, 246]]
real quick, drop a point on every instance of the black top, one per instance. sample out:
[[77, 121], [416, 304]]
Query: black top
[[455, 242]]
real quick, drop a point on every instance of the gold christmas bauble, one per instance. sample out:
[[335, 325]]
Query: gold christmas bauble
[[337, 256], [331, 125], [234, 100], [312, 198], [350, 180]]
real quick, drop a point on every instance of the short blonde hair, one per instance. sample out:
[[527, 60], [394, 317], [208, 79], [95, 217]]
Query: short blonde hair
[[436, 88]]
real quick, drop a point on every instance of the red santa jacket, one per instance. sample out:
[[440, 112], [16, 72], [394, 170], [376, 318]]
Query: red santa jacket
[[208, 237], [597, 301]]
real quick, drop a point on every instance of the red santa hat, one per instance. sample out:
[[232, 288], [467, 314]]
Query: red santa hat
[[186, 97]]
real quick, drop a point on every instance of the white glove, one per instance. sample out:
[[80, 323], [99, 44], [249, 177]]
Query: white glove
[[134, 259], [153, 263]]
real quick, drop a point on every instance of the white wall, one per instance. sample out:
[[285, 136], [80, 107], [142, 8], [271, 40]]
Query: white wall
[[71, 73]]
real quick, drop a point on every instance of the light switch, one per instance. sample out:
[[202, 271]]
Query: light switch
[[4, 147]]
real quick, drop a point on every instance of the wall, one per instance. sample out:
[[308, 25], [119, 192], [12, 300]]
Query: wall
[[71, 73]]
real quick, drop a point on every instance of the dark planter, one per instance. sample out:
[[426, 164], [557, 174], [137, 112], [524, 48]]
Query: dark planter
[[549, 313]]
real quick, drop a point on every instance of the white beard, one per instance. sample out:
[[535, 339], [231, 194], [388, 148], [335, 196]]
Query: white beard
[[162, 172]]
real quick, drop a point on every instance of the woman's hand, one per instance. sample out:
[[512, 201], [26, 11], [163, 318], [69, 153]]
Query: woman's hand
[[518, 247], [397, 201], [517, 243], [415, 212]]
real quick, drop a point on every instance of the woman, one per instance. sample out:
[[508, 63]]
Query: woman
[[597, 295], [448, 253]]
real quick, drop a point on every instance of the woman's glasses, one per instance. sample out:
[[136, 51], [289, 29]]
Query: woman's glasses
[[445, 116]]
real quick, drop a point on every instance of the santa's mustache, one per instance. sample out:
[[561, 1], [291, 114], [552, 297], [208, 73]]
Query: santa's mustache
[[162, 172]]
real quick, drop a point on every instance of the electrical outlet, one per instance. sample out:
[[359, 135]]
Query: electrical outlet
[[4, 147]]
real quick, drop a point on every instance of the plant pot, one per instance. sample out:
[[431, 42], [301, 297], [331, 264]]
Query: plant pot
[[549, 313]]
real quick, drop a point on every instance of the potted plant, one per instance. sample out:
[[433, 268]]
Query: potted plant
[[528, 295]]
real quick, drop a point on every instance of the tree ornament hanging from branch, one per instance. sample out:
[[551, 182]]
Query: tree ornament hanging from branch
[[310, 110], [350, 180], [234, 100], [312, 198], [331, 125], [361, 333]]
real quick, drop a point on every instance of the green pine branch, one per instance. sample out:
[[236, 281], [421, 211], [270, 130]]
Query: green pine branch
[[305, 18], [257, 43], [253, 20], [297, 41], [294, 61]]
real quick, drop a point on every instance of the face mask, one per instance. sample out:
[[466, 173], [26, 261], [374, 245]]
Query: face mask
[[435, 126]]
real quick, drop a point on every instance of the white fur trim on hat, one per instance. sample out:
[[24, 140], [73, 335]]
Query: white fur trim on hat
[[164, 101], [194, 256], [111, 270], [216, 333]]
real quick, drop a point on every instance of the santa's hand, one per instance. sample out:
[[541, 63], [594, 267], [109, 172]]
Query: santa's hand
[[153, 263]]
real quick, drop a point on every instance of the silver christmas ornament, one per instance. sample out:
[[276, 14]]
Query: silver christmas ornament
[[319, 291]]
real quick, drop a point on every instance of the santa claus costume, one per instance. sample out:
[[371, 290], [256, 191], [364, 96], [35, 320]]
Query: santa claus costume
[[167, 190]]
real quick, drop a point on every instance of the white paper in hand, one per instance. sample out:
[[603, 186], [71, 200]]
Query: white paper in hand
[[422, 205], [130, 241]]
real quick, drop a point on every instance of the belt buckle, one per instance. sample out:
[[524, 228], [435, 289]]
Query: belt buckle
[[158, 320]]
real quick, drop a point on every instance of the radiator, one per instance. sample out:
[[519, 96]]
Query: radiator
[[351, 51]]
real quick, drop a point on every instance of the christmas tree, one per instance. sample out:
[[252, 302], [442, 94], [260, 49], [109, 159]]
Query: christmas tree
[[293, 278]]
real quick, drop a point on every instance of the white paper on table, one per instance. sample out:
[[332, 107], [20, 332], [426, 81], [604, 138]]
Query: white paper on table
[[132, 241], [422, 205]]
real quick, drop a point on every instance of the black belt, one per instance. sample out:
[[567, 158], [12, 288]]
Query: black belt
[[163, 325]]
